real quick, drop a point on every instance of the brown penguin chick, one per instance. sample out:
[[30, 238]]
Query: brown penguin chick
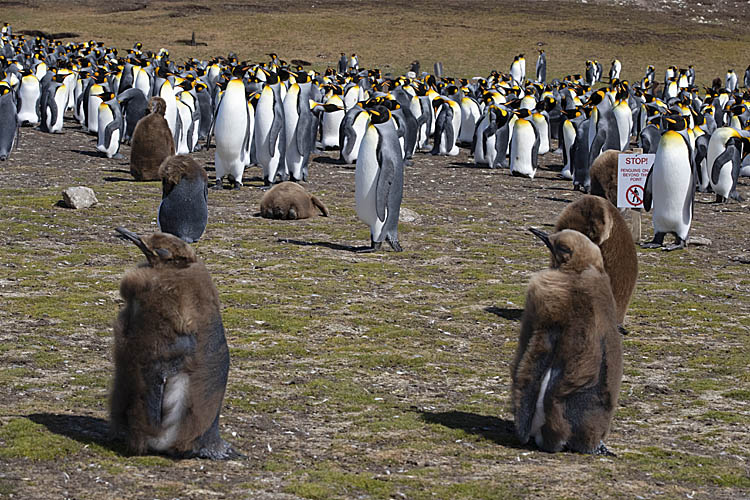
[[602, 223], [603, 174], [568, 365], [289, 200], [152, 142], [170, 354]]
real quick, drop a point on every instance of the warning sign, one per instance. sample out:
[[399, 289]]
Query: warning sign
[[632, 170]]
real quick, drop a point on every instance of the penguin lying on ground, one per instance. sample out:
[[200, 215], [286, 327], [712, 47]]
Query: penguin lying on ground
[[288, 200], [568, 365], [171, 357]]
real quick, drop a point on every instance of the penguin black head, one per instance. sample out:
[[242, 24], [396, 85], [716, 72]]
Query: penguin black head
[[379, 114], [571, 251], [4, 89], [303, 77], [676, 122], [161, 249]]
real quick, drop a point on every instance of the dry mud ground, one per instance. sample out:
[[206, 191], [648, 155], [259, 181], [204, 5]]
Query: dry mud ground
[[362, 376]]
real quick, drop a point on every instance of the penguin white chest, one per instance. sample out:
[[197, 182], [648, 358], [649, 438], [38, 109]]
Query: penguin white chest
[[173, 406]]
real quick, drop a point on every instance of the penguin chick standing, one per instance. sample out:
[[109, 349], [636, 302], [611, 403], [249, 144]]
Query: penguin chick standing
[[171, 356], [379, 180], [598, 219], [152, 142], [183, 211], [568, 365]]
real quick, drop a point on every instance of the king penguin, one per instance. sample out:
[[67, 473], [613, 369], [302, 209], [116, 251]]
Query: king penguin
[[52, 104], [183, 211], [170, 354], [8, 120], [110, 126], [353, 129], [231, 131], [670, 184], [270, 136], [726, 150], [379, 180], [524, 145], [447, 125], [28, 95], [299, 123], [567, 370], [541, 67]]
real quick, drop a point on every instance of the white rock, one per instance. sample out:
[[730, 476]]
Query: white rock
[[699, 241], [408, 215], [79, 197]]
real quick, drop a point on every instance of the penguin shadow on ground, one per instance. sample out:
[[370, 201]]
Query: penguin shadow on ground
[[324, 244], [93, 154], [327, 160], [468, 164], [498, 430], [552, 198], [85, 430], [511, 314]]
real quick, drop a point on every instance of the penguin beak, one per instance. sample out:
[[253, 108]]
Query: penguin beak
[[134, 238], [542, 236]]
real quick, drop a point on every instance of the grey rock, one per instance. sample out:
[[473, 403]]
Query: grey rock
[[408, 215], [79, 197], [699, 241]]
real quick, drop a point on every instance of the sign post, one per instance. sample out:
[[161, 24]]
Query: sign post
[[632, 170]]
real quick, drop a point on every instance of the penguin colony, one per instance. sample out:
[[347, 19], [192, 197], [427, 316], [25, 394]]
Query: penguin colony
[[568, 365]]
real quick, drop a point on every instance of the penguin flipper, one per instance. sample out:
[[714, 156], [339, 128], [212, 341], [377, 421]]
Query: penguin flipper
[[348, 136], [450, 135], [535, 147], [304, 126], [51, 104], [724, 157], [647, 192], [385, 181], [276, 127], [111, 127], [439, 127]]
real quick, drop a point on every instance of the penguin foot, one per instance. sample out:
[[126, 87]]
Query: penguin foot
[[218, 186], [364, 249], [602, 450], [675, 246], [236, 185], [736, 196], [651, 244], [622, 330], [720, 199], [395, 245], [217, 451]]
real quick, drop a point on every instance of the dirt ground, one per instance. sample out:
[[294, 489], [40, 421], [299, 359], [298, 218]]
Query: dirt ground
[[383, 375]]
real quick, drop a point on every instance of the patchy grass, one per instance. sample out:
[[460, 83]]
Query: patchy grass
[[383, 375]]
